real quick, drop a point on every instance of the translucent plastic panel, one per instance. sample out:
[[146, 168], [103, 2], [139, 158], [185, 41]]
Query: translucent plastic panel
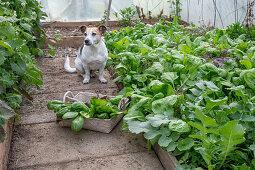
[[81, 10]]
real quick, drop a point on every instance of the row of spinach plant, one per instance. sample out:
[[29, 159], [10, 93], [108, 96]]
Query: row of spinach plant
[[192, 91], [21, 35]]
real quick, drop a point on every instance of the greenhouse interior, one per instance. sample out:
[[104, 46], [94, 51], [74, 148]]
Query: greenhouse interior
[[132, 85]]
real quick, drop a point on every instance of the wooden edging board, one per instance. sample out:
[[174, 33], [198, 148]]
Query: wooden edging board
[[72, 41], [167, 159], [110, 23], [5, 146]]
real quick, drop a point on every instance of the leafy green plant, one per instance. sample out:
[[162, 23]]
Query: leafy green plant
[[237, 29], [21, 37], [126, 16], [52, 47], [189, 88], [177, 6], [78, 111], [103, 19]]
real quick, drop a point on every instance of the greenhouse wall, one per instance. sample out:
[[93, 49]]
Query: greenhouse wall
[[217, 13]]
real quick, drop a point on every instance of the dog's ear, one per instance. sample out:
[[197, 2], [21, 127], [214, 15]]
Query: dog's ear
[[102, 29], [83, 29]]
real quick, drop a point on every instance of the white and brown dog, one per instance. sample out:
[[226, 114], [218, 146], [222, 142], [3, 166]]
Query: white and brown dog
[[92, 55]]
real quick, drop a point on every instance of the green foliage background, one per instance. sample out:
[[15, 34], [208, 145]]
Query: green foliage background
[[21, 37]]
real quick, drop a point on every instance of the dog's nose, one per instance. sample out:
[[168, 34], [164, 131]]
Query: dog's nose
[[86, 41]]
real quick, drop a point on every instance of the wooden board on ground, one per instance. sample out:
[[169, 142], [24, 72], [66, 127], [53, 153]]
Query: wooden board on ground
[[168, 161], [5, 146]]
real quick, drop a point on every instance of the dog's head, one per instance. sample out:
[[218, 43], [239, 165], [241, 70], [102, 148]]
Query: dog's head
[[93, 35]]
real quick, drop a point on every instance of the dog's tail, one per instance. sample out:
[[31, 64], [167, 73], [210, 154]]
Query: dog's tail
[[67, 66]]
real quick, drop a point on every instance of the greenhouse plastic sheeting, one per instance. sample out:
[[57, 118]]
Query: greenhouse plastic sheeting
[[218, 13], [81, 10]]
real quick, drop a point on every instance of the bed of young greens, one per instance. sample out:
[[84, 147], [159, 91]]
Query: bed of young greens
[[192, 91], [78, 111]]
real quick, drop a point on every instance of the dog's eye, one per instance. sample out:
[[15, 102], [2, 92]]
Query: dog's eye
[[85, 34], [94, 33]]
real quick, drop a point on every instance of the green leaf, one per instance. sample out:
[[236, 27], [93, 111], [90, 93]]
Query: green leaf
[[156, 68], [249, 79], [62, 111], [85, 114], [252, 147], [80, 106], [151, 134], [77, 124], [171, 147], [6, 112], [209, 67], [139, 127], [175, 136], [6, 45], [169, 77], [178, 126], [233, 134], [26, 26], [210, 103], [7, 30], [137, 111], [232, 130], [19, 67], [2, 59], [200, 85], [15, 43], [164, 141], [207, 121], [157, 120], [178, 67], [185, 144], [206, 156], [211, 86], [246, 63], [163, 105], [69, 115]]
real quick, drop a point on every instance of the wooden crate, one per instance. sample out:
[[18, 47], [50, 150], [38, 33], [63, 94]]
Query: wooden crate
[[95, 124]]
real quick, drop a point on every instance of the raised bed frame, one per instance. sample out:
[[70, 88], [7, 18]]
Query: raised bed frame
[[5, 146]]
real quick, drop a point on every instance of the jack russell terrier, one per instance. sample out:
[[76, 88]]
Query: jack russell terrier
[[92, 55]]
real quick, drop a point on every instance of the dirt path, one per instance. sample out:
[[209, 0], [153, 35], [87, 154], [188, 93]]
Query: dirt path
[[39, 143]]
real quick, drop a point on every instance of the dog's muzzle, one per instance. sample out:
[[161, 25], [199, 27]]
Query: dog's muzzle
[[87, 42]]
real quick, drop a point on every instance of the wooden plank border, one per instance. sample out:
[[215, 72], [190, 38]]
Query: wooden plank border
[[5, 146], [167, 159], [110, 23]]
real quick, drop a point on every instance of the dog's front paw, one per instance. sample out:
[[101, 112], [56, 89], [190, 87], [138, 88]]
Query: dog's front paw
[[85, 81], [103, 80]]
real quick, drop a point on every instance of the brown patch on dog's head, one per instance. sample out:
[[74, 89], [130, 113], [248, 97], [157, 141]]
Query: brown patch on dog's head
[[102, 29], [83, 29]]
